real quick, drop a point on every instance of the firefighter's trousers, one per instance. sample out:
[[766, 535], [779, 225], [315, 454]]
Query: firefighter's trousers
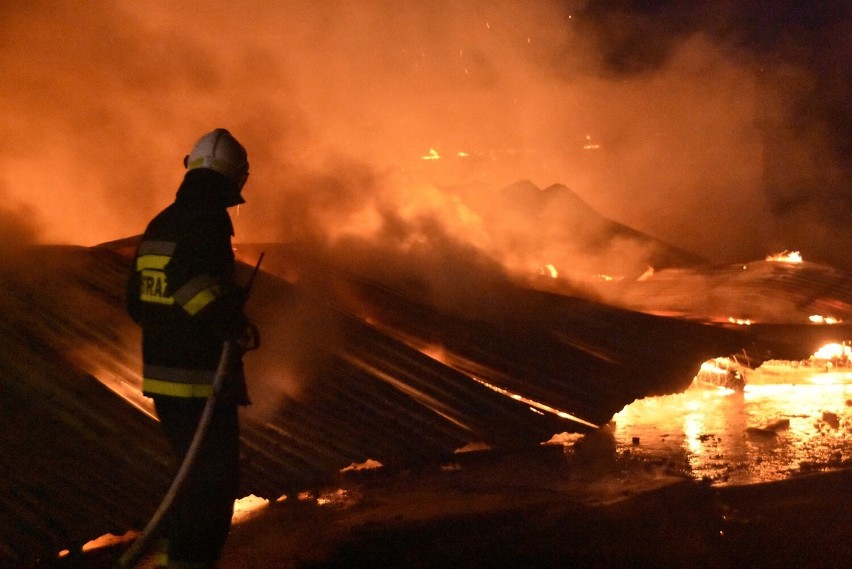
[[198, 523]]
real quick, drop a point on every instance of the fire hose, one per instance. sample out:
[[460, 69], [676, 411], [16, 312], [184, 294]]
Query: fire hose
[[141, 544], [230, 348]]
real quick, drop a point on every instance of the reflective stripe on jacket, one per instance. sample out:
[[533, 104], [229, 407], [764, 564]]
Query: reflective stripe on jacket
[[177, 382], [151, 262], [182, 292]]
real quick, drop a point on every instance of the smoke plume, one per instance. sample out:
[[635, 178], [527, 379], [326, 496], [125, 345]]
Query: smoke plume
[[722, 128]]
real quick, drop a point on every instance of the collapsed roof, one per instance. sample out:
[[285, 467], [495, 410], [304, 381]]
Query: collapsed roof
[[354, 366], [348, 373]]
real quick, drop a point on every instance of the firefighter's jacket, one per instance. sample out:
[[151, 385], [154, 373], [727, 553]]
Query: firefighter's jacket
[[182, 292]]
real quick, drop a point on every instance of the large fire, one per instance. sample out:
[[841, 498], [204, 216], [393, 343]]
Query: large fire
[[835, 354]]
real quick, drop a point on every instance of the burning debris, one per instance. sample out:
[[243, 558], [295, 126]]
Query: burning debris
[[819, 319], [723, 372], [832, 363], [793, 257], [781, 290]]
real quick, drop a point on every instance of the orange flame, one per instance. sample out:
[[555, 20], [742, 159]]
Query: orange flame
[[786, 257], [550, 270], [818, 319]]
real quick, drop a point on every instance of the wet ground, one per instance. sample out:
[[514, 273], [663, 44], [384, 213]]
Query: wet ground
[[591, 506], [767, 432], [706, 478], [709, 477]]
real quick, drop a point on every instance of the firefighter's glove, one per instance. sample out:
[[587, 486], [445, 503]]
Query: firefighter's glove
[[247, 337]]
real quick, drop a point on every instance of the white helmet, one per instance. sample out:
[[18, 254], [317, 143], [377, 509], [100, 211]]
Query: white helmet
[[219, 150]]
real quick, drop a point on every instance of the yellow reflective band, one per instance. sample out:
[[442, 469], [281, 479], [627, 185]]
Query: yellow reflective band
[[157, 262], [152, 287], [197, 163], [197, 293], [178, 374], [197, 303], [158, 387]]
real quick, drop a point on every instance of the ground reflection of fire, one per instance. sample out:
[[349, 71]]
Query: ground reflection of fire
[[762, 432]]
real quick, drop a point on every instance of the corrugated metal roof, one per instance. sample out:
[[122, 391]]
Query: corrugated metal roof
[[79, 461], [342, 376]]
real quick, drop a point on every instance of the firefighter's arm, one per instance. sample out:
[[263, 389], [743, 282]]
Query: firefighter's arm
[[201, 272]]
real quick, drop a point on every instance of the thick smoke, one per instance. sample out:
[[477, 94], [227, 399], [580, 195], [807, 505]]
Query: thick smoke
[[382, 133], [784, 129], [19, 230], [722, 128]]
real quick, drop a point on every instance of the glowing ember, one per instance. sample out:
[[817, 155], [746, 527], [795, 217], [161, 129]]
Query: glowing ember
[[339, 497], [368, 464], [817, 319], [435, 352], [473, 447], [646, 275], [246, 507], [589, 145], [786, 257], [740, 321], [550, 271], [109, 540], [433, 155]]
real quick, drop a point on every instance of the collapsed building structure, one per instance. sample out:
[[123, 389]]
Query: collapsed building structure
[[351, 370]]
